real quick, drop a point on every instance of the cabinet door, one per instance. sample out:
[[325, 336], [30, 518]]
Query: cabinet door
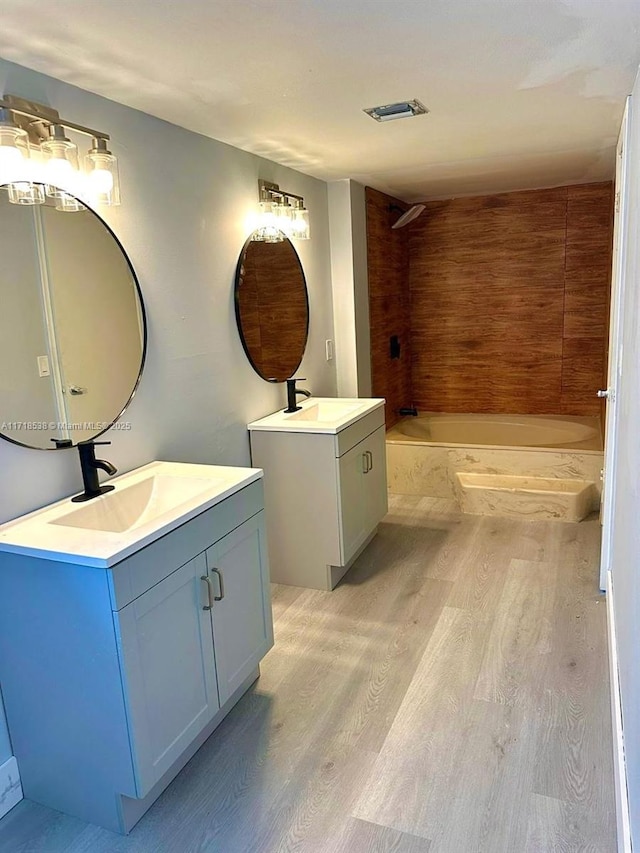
[[375, 479], [353, 513], [362, 473], [242, 621], [168, 670]]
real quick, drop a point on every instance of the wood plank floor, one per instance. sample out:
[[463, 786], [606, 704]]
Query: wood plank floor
[[450, 696]]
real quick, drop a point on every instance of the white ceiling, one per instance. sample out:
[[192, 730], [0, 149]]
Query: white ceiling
[[522, 93]]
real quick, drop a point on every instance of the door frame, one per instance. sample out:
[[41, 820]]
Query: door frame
[[615, 347]]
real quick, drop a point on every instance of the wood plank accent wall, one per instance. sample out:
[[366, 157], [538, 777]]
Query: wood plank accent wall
[[508, 300], [388, 269], [487, 290]]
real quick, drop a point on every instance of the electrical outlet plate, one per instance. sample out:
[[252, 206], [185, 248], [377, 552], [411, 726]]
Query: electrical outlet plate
[[43, 366]]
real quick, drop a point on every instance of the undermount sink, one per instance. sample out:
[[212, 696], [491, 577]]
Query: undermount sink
[[326, 410], [145, 504], [319, 414], [133, 506]]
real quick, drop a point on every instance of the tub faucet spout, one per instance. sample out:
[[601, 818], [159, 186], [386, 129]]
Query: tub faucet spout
[[408, 410]]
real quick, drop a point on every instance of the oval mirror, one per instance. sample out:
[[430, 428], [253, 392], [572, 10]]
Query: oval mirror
[[72, 328], [272, 307]]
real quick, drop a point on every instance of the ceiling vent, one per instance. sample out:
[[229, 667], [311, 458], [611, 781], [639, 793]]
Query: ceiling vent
[[403, 109]]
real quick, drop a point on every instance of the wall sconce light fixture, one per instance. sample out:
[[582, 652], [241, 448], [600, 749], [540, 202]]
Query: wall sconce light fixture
[[41, 160], [282, 214]]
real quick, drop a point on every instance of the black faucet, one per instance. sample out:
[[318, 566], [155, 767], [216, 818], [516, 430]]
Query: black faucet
[[90, 465], [292, 392]]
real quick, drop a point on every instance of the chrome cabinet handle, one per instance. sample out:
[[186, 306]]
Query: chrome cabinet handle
[[210, 597], [370, 454], [218, 574]]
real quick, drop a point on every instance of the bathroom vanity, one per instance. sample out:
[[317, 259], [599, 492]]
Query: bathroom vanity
[[325, 486], [130, 628]]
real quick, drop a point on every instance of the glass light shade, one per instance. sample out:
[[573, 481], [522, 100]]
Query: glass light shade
[[61, 163], [268, 215], [300, 224], [268, 223], [10, 157], [26, 192], [14, 147], [14, 163], [284, 215], [69, 203], [269, 235], [102, 174], [276, 236]]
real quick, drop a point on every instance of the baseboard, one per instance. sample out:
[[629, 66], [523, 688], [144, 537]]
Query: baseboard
[[10, 787], [619, 764]]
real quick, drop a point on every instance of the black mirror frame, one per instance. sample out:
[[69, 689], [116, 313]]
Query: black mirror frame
[[236, 300], [143, 357]]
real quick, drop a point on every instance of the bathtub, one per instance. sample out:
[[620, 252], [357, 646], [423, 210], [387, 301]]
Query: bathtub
[[425, 453], [500, 431]]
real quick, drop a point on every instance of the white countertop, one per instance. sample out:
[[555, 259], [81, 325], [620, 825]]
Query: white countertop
[[334, 415], [45, 534]]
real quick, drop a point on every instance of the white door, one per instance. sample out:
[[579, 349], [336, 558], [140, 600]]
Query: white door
[[615, 351]]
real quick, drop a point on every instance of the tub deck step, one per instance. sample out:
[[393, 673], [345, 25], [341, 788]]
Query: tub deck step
[[526, 497]]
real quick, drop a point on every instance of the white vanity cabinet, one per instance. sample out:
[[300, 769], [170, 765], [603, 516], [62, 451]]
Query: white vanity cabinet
[[189, 642], [325, 488], [113, 677]]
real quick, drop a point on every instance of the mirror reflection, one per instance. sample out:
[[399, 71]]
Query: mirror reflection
[[72, 327], [272, 307]]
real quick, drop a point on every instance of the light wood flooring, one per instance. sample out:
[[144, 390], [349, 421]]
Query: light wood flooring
[[450, 696]]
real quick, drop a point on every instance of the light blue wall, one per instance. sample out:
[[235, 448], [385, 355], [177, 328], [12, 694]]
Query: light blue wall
[[183, 221], [625, 560]]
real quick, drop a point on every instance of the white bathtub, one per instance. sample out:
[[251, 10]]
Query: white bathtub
[[425, 453]]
